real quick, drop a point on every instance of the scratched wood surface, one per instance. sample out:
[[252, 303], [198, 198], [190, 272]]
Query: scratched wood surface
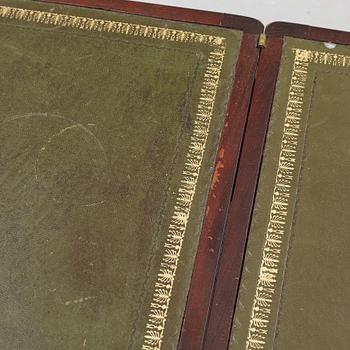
[[229, 275]]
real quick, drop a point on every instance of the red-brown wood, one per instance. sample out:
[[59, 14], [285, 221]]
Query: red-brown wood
[[280, 29], [196, 314], [246, 24], [234, 243]]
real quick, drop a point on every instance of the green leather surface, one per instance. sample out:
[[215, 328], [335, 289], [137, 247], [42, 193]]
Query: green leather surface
[[309, 307], [95, 129]]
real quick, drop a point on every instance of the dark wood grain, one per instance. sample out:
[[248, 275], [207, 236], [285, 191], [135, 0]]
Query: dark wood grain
[[196, 314], [236, 232], [234, 244], [281, 29], [246, 24]]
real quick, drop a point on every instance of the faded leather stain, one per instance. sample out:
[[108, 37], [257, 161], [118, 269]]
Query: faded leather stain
[[219, 167]]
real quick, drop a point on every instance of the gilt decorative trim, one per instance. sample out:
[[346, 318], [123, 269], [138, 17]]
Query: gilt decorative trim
[[186, 193], [101, 25], [154, 333], [271, 263]]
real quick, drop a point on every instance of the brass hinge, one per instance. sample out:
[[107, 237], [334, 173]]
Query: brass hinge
[[262, 40]]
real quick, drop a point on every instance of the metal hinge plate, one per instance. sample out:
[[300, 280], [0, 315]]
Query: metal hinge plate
[[262, 40]]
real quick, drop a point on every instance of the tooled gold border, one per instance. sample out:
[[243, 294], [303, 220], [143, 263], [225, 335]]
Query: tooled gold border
[[159, 307], [271, 264]]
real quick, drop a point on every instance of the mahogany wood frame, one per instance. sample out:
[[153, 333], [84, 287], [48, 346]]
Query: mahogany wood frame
[[282, 29], [225, 293], [210, 245], [209, 312], [229, 272], [246, 24]]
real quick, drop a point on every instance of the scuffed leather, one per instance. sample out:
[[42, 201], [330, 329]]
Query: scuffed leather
[[310, 307], [94, 132]]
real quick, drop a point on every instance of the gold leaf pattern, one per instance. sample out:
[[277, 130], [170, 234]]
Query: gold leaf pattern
[[172, 250], [274, 239]]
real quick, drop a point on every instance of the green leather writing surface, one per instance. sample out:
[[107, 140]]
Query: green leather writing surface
[[109, 130], [294, 293]]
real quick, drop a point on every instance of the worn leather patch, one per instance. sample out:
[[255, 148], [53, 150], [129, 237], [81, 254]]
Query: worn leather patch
[[110, 125], [294, 289]]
